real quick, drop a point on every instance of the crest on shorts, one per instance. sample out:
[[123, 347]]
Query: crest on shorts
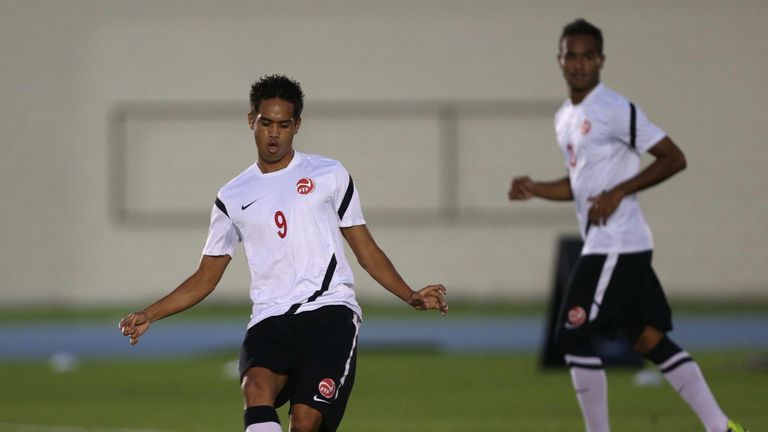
[[576, 316], [586, 127], [305, 186], [327, 388]]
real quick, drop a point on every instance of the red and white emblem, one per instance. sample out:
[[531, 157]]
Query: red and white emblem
[[327, 388], [586, 127], [305, 186], [576, 316]]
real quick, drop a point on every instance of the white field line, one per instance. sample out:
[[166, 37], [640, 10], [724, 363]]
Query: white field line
[[19, 427]]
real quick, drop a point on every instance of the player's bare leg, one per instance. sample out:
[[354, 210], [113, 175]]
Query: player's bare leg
[[260, 387], [647, 340], [305, 419]]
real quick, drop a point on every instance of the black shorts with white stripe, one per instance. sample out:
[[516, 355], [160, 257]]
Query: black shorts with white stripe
[[317, 350], [611, 294]]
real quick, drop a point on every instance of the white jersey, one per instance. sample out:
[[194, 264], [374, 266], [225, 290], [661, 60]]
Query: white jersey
[[288, 222], [602, 139]]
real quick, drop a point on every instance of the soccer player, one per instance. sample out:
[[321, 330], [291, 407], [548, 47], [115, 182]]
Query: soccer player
[[613, 287], [290, 211]]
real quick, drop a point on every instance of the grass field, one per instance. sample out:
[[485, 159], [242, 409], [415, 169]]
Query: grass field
[[395, 391]]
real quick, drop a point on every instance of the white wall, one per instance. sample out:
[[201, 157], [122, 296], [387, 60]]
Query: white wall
[[698, 69]]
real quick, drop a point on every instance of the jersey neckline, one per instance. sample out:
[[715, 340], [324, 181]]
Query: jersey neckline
[[297, 156]]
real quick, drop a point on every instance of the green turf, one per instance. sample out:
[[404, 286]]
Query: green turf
[[395, 391]]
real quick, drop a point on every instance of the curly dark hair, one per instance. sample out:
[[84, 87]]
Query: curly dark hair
[[278, 86], [583, 27]]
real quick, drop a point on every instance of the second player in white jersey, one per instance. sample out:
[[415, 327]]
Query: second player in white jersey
[[612, 289], [288, 222], [602, 139]]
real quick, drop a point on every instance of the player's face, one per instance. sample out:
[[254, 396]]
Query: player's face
[[580, 62], [273, 128]]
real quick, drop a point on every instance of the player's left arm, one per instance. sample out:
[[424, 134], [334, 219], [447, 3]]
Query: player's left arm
[[669, 160], [381, 269]]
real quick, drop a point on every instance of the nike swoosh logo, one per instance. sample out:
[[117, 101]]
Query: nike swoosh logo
[[248, 205], [321, 400]]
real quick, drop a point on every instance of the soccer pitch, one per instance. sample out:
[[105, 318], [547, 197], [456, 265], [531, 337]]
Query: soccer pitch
[[394, 391]]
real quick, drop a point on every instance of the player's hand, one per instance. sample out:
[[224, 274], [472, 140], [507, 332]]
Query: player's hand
[[522, 188], [603, 206], [134, 325], [430, 297]]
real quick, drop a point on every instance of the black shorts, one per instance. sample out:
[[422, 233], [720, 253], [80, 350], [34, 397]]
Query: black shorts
[[614, 293], [317, 350]]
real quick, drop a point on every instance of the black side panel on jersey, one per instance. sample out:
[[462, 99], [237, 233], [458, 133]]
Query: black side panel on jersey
[[347, 198], [323, 288], [632, 124], [221, 207]]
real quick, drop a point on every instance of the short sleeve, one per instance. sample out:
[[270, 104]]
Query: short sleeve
[[634, 129], [223, 235], [347, 200]]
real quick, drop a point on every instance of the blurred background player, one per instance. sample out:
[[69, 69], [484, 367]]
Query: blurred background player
[[290, 210], [613, 286]]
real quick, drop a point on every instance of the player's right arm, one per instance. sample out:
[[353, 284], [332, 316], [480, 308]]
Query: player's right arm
[[191, 292], [523, 188]]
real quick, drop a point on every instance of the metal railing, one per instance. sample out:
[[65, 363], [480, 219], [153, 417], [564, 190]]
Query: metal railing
[[449, 115]]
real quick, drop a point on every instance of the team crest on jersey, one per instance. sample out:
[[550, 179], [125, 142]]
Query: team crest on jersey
[[305, 185], [576, 316], [327, 388], [586, 127]]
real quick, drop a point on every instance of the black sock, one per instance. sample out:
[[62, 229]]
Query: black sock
[[260, 414]]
